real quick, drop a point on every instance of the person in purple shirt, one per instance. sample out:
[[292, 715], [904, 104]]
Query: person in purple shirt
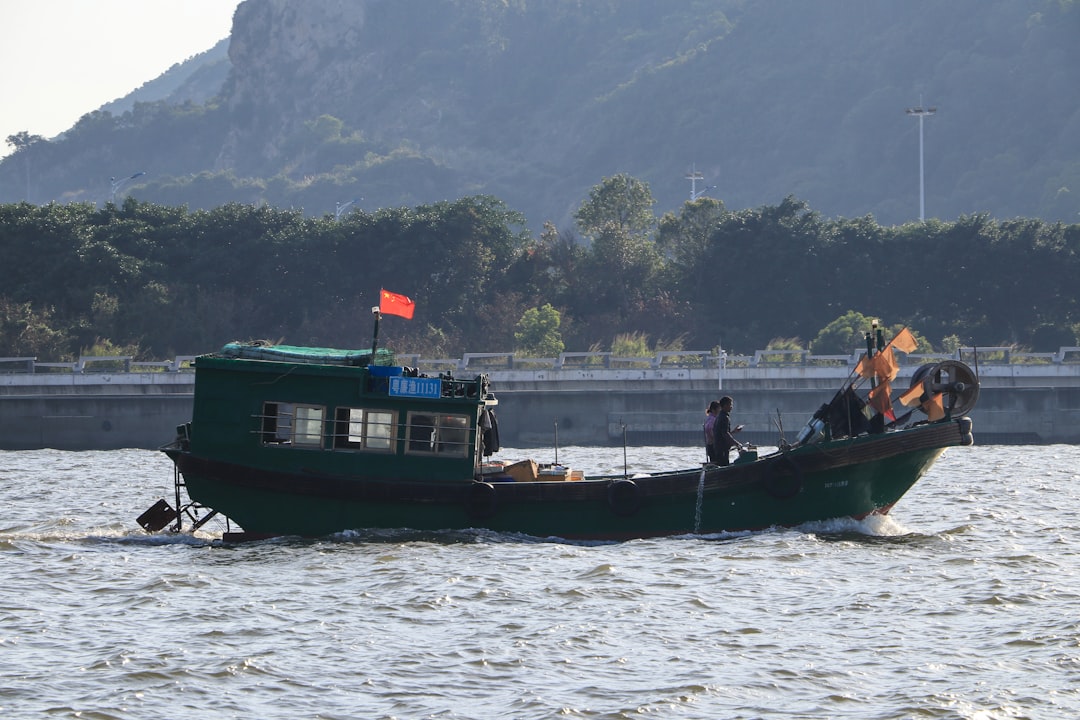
[[710, 420]]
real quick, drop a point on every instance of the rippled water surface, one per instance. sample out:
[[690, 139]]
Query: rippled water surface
[[964, 604]]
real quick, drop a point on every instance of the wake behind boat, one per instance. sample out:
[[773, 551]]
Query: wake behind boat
[[288, 440]]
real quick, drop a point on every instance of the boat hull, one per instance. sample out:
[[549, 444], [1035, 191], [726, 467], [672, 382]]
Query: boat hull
[[853, 478]]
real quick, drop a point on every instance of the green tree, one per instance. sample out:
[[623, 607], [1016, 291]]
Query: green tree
[[622, 202], [22, 141], [551, 266], [631, 344], [847, 334], [619, 289], [781, 343], [843, 336], [769, 259], [686, 276], [684, 238], [26, 331], [537, 332], [951, 343], [103, 347]]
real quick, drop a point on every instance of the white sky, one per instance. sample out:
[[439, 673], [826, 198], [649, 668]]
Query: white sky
[[60, 59]]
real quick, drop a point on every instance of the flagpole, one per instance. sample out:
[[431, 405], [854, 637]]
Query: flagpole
[[874, 337], [375, 337]]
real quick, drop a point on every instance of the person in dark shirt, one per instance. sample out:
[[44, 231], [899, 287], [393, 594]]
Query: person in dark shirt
[[724, 434]]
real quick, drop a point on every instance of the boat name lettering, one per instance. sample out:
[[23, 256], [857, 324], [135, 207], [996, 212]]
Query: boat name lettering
[[838, 483], [416, 387]]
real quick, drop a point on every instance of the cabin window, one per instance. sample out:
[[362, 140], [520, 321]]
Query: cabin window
[[360, 428], [289, 424], [309, 425], [277, 423], [439, 434]]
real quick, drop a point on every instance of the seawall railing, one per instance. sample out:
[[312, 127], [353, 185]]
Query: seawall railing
[[487, 362], [96, 364], [106, 402]]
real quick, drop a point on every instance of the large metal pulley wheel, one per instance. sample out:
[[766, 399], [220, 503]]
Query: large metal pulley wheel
[[955, 380]]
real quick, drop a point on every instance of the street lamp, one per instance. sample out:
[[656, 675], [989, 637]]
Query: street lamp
[[695, 194], [340, 208], [921, 112], [115, 184], [693, 176]]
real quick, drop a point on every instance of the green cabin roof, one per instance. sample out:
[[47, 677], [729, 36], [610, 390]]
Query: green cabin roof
[[260, 350]]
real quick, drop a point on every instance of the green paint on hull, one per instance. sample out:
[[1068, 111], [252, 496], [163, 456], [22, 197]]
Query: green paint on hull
[[773, 491], [312, 483]]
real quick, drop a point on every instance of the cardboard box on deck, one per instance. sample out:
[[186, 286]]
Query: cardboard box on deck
[[524, 471], [557, 472]]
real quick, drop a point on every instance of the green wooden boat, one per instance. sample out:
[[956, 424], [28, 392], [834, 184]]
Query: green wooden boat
[[313, 441]]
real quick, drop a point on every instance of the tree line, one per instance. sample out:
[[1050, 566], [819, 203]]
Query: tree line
[[154, 281]]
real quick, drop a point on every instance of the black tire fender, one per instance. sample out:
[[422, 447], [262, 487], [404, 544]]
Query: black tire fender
[[966, 438], [783, 478], [481, 502], [624, 497]]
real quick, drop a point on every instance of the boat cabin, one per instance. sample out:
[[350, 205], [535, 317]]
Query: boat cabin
[[286, 408]]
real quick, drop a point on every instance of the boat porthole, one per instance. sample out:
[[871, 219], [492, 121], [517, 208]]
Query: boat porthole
[[482, 502], [623, 497], [783, 479]]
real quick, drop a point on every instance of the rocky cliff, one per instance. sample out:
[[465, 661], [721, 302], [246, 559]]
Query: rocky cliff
[[403, 102]]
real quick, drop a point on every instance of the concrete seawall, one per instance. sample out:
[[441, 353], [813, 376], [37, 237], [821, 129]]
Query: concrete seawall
[[1018, 404], [93, 411]]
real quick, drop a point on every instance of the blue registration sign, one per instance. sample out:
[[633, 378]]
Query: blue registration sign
[[416, 387]]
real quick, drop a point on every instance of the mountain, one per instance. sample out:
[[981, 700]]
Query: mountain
[[197, 79], [403, 102]]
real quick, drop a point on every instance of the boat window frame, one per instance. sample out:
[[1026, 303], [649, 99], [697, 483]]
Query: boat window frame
[[343, 432], [320, 421], [436, 445], [276, 423], [281, 425]]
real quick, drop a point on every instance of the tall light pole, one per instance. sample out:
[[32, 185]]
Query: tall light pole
[[340, 208], [115, 184], [693, 176], [921, 112]]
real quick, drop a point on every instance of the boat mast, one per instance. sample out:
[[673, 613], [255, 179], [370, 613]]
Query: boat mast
[[375, 337]]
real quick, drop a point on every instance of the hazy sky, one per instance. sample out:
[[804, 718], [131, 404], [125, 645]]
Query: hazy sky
[[60, 59]]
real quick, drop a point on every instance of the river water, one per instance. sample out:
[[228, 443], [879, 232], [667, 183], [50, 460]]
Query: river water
[[965, 603]]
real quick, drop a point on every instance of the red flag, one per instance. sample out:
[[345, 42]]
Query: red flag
[[394, 304]]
